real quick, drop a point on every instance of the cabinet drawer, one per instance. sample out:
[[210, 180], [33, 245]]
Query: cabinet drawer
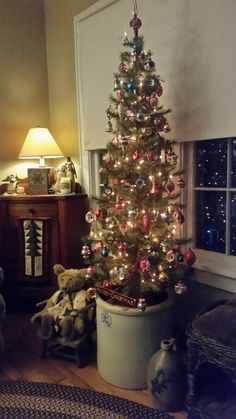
[[35, 210]]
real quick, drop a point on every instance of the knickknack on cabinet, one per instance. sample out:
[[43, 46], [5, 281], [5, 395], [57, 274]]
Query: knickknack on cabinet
[[36, 232]]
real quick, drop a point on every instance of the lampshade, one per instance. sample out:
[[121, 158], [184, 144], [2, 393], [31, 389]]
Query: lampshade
[[39, 143]]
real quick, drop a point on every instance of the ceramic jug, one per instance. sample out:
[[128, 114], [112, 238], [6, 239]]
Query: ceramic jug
[[167, 377]]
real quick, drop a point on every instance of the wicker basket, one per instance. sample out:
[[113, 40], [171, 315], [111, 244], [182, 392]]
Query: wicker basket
[[206, 356]]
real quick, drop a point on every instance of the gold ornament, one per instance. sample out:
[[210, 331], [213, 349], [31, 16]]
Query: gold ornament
[[163, 277]]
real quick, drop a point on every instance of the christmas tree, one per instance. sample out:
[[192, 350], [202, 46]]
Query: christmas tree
[[134, 240]]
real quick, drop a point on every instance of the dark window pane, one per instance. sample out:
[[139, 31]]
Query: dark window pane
[[210, 220], [233, 167], [211, 163], [233, 224]]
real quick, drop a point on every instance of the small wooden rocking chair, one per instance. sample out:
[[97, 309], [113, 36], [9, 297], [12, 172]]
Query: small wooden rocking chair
[[77, 349]]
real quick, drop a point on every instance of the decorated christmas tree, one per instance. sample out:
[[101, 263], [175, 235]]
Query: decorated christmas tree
[[135, 245]]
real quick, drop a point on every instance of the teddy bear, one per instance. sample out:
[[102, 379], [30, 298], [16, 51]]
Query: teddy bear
[[63, 314]]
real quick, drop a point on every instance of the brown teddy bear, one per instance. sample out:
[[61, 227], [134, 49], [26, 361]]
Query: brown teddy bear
[[63, 313]]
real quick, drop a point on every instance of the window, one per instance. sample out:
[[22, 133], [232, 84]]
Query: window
[[211, 204], [95, 157]]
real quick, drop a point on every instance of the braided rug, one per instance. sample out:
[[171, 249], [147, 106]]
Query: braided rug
[[26, 400]]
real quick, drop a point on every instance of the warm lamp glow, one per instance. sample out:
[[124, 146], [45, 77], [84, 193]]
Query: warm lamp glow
[[39, 143]]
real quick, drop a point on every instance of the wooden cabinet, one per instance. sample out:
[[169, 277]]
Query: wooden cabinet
[[37, 232]]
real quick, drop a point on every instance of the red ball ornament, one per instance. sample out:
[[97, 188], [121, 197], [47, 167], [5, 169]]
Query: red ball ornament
[[144, 265], [91, 269], [160, 122], [99, 214], [108, 285], [189, 257], [159, 90], [135, 23], [122, 247]]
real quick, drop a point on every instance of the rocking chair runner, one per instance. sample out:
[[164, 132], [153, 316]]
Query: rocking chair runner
[[75, 349]]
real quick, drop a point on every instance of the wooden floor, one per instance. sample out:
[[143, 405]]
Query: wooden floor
[[23, 361]]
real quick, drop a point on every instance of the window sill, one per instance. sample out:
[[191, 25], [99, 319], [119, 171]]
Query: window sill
[[214, 280]]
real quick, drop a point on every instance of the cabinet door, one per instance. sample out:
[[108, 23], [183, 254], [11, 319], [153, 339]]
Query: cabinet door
[[38, 240]]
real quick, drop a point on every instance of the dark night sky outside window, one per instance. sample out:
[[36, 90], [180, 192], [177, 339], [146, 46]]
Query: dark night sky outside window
[[215, 197]]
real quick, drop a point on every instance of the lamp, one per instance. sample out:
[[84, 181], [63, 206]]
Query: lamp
[[39, 143]]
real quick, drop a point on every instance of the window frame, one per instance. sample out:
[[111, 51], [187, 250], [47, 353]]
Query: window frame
[[222, 265]]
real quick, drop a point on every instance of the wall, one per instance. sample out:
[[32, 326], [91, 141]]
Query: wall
[[193, 47], [61, 72], [23, 78]]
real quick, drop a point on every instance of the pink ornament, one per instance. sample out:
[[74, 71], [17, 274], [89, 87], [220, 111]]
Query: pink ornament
[[136, 155], [91, 269], [155, 188], [189, 257], [153, 101], [180, 183], [144, 265]]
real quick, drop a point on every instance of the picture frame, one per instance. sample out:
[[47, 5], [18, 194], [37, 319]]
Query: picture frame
[[38, 181]]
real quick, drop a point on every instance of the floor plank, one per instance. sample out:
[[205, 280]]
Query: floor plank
[[23, 361]]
